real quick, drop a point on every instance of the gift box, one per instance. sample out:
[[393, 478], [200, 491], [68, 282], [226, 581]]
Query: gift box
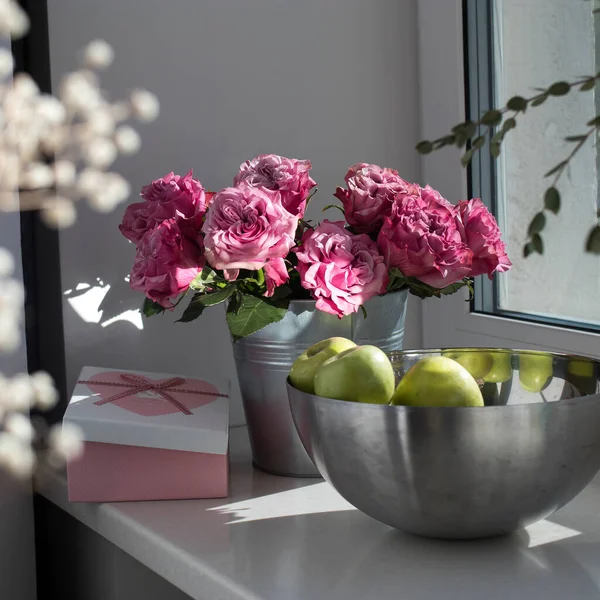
[[148, 436]]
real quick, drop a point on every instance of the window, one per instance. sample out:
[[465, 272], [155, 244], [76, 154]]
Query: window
[[514, 46]]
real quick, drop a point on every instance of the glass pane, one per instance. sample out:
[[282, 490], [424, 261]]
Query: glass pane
[[536, 43]]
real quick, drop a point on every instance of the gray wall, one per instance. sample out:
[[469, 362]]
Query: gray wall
[[329, 80]]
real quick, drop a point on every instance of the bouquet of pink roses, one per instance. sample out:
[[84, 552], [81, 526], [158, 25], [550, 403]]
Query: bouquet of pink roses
[[250, 245]]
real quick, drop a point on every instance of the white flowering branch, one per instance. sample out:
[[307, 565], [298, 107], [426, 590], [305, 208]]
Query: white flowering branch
[[54, 151]]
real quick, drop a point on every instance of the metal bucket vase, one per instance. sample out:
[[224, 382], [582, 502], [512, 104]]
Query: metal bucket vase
[[263, 361]]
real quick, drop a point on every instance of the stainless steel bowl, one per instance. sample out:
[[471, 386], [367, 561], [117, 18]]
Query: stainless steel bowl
[[462, 472]]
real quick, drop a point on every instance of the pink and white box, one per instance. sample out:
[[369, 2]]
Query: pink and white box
[[148, 436]]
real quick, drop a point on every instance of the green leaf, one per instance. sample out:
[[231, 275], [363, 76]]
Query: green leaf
[[588, 85], [491, 117], [201, 301], [445, 141], [253, 314], [593, 241], [595, 122], [470, 129], [575, 138], [364, 311], [497, 137], [453, 288], [539, 100], [333, 206], [508, 125], [151, 308], [205, 279], [495, 149], [478, 142], [537, 243], [465, 159], [517, 103], [552, 200], [460, 139], [281, 292], [556, 168], [537, 224], [528, 249], [424, 147], [560, 88]]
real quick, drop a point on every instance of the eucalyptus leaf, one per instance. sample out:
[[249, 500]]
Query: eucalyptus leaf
[[465, 159], [491, 117], [528, 249], [537, 243], [495, 149], [424, 147], [595, 122], [539, 100], [556, 168], [552, 200], [588, 85], [517, 103], [593, 241], [509, 124], [537, 224], [560, 88], [478, 142], [253, 314], [151, 308], [470, 129], [575, 138]]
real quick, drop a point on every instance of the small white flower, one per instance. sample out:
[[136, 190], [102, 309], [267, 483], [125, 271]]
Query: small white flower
[[59, 212], [79, 92], [66, 440], [145, 105], [51, 110], [15, 456], [20, 426], [127, 140], [17, 20], [12, 295], [117, 186], [101, 122], [64, 173], [6, 63], [90, 182], [24, 86], [20, 394], [120, 111], [37, 176], [10, 336], [100, 152], [46, 395], [98, 55], [7, 263]]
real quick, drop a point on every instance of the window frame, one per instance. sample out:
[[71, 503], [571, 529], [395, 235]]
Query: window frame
[[451, 321]]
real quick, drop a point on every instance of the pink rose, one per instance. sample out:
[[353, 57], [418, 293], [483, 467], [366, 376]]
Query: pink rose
[[165, 263], [483, 238], [370, 195], [289, 176], [246, 227], [169, 197], [342, 270], [276, 274], [424, 238]]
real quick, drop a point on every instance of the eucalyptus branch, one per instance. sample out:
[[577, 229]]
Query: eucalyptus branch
[[496, 125]]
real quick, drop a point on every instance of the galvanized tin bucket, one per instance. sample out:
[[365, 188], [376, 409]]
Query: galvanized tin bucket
[[264, 358]]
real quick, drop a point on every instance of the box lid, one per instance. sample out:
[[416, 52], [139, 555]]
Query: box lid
[[153, 410]]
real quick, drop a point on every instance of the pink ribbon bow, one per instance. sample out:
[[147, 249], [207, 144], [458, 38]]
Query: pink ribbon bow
[[136, 384]]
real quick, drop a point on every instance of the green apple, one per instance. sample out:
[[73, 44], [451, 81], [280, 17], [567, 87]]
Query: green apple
[[361, 374], [581, 367], [476, 362], [535, 371], [302, 373], [501, 370], [437, 381]]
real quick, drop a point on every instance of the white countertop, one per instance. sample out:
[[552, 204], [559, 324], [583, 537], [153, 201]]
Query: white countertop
[[278, 538]]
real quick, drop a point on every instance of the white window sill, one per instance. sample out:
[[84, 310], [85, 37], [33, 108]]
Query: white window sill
[[278, 538]]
